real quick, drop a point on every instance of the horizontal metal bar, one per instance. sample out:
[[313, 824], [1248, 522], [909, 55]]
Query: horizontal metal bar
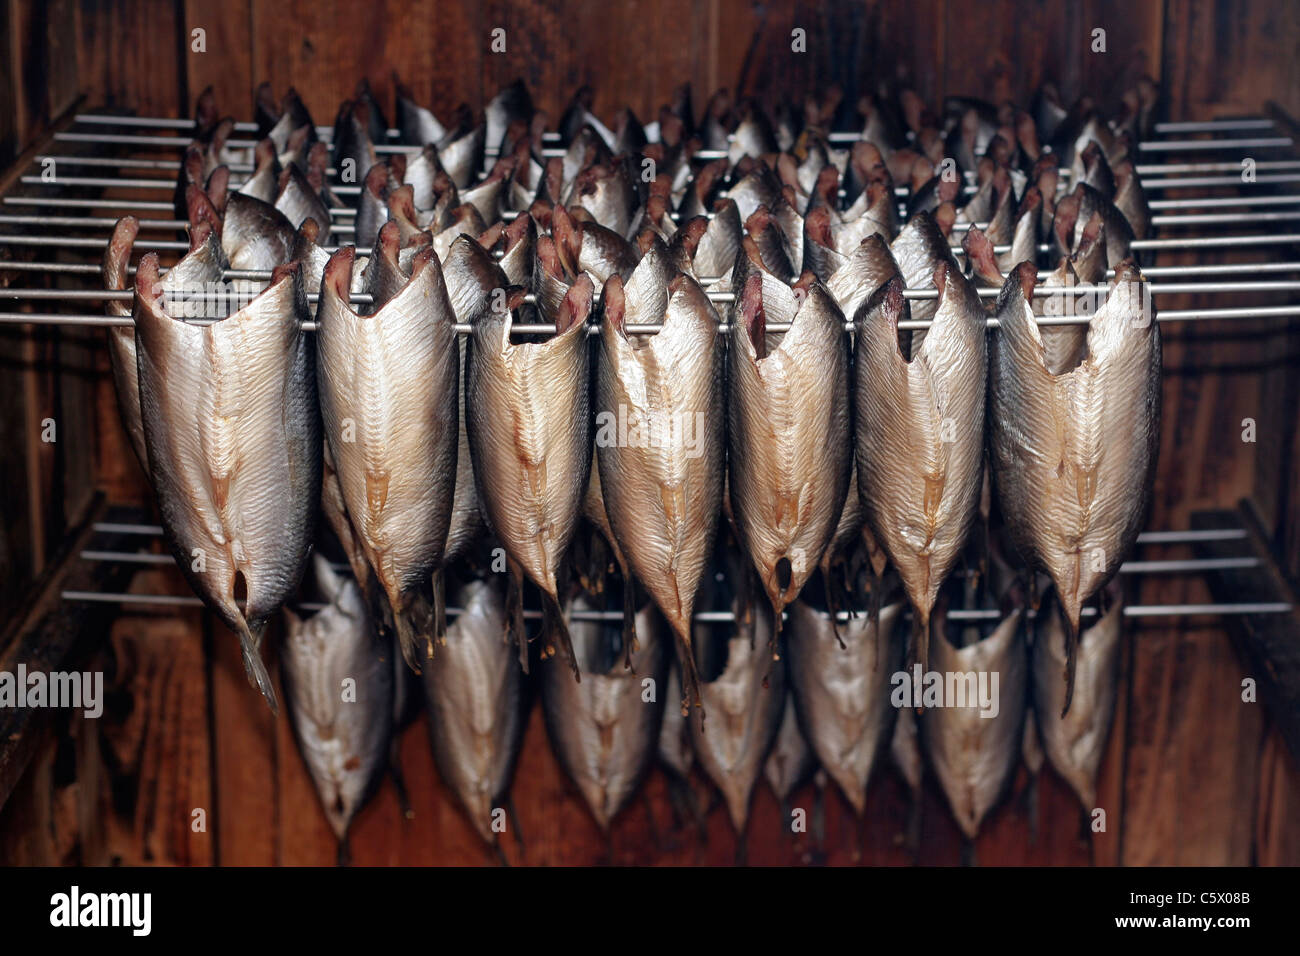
[[1188, 145], [147, 205], [1151, 185], [955, 614], [1223, 218], [1177, 536], [149, 122], [1169, 169], [1212, 126], [1177, 566], [540, 328], [1220, 202]]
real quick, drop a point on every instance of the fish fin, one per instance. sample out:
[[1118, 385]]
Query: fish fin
[[409, 631], [690, 677], [921, 642], [832, 602], [255, 668], [629, 619], [553, 625], [439, 609], [1071, 659], [515, 613]]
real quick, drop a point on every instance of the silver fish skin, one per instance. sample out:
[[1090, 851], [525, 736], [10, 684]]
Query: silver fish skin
[[1076, 743], [975, 756], [1119, 234], [262, 183], [791, 760], [1073, 455], [471, 277], [1131, 199], [840, 683], [314, 258], [919, 249], [608, 194], [389, 390], [920, 433], [528, 413], [254, 234], [418, 126], [905, 751], [590, 247], [233, 432], [745, 716], [476, 707], [352, 144], [462, 156], [662, 494], [1024, 236], [602, 730], [706, 248], [864, 270], [789, 441], [201, 267], [674, 747], [343, 742], [421, 175], [299, 200], [512, 104], [277, 121]]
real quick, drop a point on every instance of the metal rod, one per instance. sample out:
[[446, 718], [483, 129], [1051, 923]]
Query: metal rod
[[1188, 145], [540, 328], [147, 205], [1156, 288], [956, 614]]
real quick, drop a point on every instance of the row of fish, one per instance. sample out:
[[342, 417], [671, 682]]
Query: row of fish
[[416, 441]]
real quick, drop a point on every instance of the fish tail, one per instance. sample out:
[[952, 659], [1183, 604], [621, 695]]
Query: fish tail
[[832, 603], [629, 619], [1071, 659], [439, 608], [921, 642], [250, 643], [344, 857], [554, 625], [515, 613], [408, 635], [774, 643], [690, 676]]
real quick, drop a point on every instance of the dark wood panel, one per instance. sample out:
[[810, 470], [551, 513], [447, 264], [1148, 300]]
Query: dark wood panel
[[226, 64], [130, 55]]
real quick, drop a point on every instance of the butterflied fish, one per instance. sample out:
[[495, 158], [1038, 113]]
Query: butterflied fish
[[198, 272], [299, 199], [1076, 743], [472, 277], [675, 751], [840, 679], [974, 745], [1074, 454], [527, 410], [603, 730], [744, 705], [660, 437], [789, 441], [262, 184], [706, 248], [254, 235], [418, 126], [232, 427], [343, 740], [1131, 200], [388, 389], [920, 433], [791, 761], [476, 712]]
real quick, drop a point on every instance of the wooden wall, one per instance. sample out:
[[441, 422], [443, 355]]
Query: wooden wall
[[1192, 776]]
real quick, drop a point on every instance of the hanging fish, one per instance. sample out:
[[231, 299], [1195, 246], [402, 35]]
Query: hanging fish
[[388, 386], [476, 707], [789, 440], [199, 271], [1076, 743], [527, 411], [920, 433], [338, 683], [232, 428], [660, 437], [746, 706], [604, 730], [1074, 454], [840, 679], [791, 762], [973, 750]]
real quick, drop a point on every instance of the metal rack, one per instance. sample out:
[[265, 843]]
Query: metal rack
[[36, 219]]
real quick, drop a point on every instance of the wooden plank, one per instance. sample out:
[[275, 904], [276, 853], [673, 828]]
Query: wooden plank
[[1277, 826], [129, 55], [540, 36], [1269, 643], [226, 65]]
